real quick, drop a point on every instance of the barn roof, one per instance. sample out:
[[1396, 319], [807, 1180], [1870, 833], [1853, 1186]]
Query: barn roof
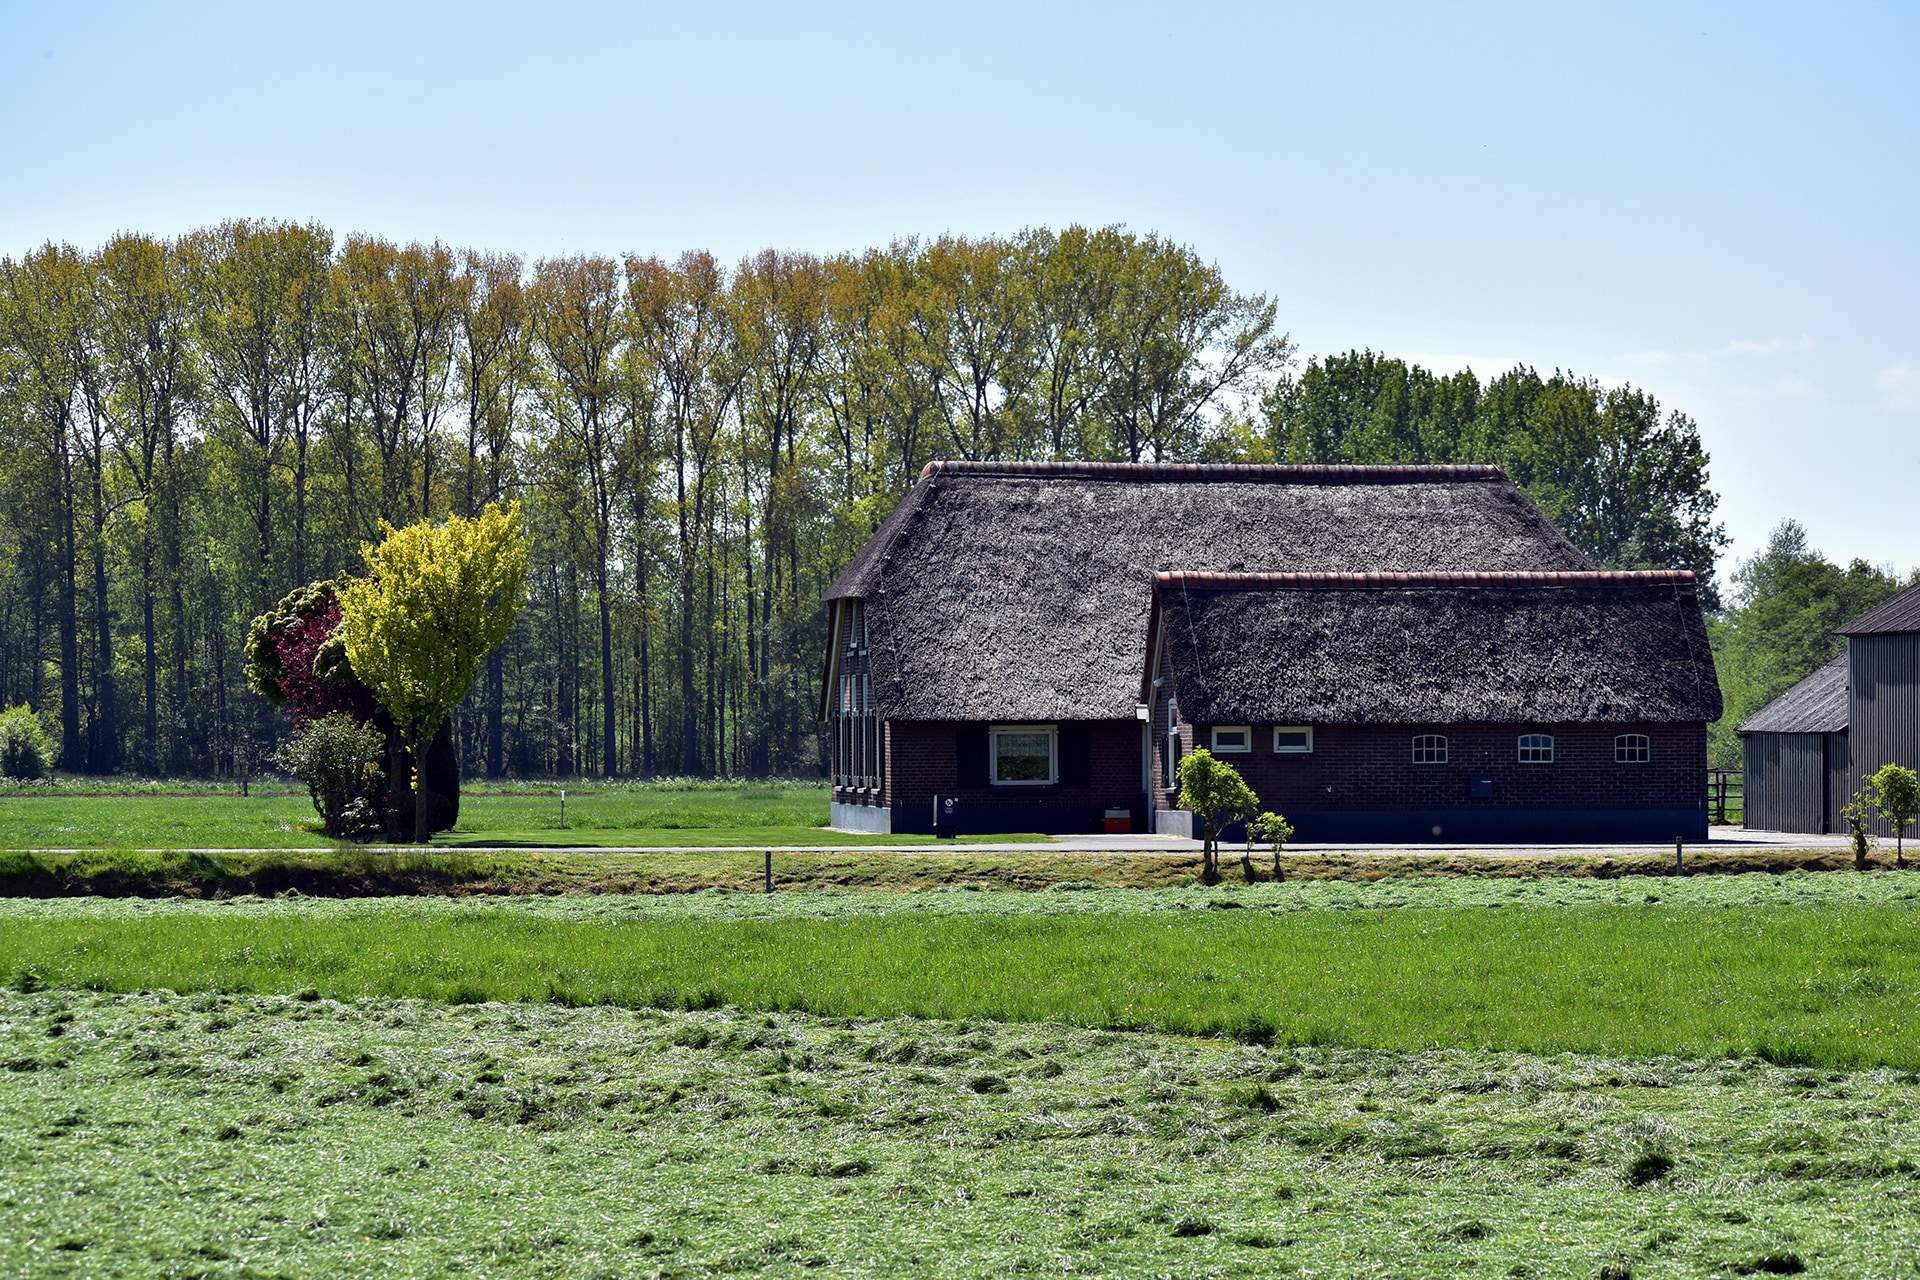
[[1817, 704], [1017, 591], [1436, 648], [1901, 613]]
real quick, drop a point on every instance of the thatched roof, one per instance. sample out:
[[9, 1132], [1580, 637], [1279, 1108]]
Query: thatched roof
[[1436, 648], [1902, 613], [1817, 704], [1006, 591]]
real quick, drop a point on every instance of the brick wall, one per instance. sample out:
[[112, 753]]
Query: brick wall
[[922, 760], [1370, 767]]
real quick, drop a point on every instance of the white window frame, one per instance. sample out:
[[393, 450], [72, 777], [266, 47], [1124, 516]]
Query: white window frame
[[1292, 728], [1541, 744], [1639, 742], [1246, 736], [1430, 739], [1053, 755]]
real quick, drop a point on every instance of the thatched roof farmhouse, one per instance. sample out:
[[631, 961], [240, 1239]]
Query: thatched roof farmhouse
[[991, 645]]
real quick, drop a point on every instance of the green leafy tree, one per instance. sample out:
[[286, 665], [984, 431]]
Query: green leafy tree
[[1214, 791], [338, 757], [1626, 481], [25, 753], [1779, 627], [1276, 831], [439, 600], [1896, 792]]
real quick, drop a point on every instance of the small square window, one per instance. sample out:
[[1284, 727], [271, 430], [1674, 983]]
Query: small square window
[[1023, 755], [1430, 748], [1293, 739], [1536, 748], [1632, 748], [1232, 739]]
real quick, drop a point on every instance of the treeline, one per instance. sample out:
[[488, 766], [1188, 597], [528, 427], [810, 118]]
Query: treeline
[[1625, 481], [191, 427]]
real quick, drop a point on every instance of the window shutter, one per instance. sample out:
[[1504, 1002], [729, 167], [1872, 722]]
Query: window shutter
[[970, 740], [1076, 755]]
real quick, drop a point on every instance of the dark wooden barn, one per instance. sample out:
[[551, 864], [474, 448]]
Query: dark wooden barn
[[987, 643], [1796, 758], [1455, 706]]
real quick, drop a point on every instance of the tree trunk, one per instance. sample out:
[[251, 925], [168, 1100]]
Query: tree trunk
[[689, 699], [496, 714], [150, 640], [419, 747], [609, 723], [104, 758], [72, 751]]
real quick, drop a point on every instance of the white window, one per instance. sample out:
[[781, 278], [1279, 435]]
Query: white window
[[1232, 739], [1024, 755], [1632, 748], [1293, 739], [1536, 748], [1430, 748]]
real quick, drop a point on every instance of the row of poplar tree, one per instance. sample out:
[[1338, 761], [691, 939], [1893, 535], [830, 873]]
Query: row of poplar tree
[[190, 427]]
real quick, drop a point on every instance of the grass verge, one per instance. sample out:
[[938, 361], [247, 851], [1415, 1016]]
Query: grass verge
[[228, 1135], [361, 870]]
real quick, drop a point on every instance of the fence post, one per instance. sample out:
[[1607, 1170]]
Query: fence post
[[1679, 859], [769, 871]]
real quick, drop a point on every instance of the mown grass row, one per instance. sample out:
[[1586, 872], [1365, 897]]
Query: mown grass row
[[1816, 984], [208, 1135]]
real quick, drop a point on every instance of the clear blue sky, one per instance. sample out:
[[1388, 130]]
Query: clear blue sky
[[1714, 202]]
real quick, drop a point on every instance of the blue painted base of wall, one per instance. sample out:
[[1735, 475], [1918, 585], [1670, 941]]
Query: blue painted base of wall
[[1434, 826], [1496, 826]]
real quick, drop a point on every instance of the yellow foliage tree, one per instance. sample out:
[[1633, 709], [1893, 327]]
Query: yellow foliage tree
[[439, 600]]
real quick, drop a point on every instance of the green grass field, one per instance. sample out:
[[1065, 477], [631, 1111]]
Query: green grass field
[[1800, 969], [1024, 1067], [275, 816]]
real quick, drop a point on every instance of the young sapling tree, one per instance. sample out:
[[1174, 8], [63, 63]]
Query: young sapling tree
[[1276, 831], [1857, 812], [1896, 791], [1214, 791]]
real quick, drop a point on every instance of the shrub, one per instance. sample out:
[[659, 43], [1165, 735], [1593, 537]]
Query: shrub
[[25, 753], [339, 760]]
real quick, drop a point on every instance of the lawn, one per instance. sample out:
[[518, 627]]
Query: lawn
[[276, 816], [1631, 1077], [155, 1134], [1819, 969]]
